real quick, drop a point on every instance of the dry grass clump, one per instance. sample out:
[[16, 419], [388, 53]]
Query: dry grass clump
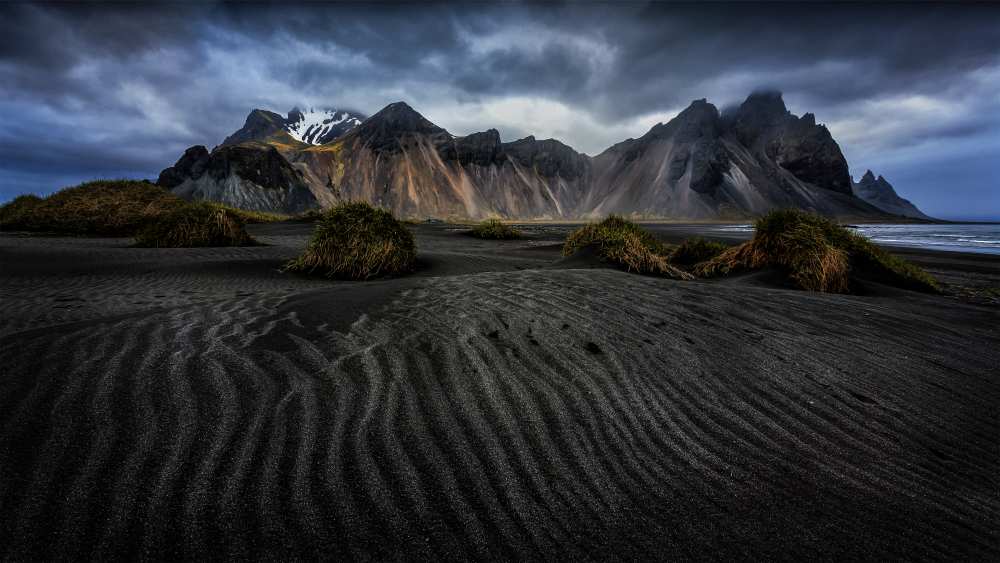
[[255, 217], [359, 242], [695, 250], [626, 244], [817, 255], [102, 207], [193, 225], [495, 229], [307, 216]]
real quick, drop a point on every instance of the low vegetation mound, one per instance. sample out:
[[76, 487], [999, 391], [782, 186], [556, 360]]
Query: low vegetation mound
[[193, 225], [816, 254], [102, 207], [625, 244], [17, 214], [695, 250], [255, 217], [495, 229], [307, 216], [357, 241]]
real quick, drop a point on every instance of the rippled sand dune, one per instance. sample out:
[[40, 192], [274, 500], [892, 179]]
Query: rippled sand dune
[[497, 404]]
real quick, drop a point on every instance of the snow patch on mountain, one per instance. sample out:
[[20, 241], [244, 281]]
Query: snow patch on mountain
[[318, 126]]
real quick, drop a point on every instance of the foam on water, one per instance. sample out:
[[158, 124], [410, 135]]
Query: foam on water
[[982, 238]]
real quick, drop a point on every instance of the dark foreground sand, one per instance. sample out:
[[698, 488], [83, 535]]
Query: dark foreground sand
[[501, 403]]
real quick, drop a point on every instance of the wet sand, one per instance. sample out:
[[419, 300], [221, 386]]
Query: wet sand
[[499, 403]]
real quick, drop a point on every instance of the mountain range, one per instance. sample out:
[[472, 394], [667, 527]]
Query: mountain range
[[702, 164]]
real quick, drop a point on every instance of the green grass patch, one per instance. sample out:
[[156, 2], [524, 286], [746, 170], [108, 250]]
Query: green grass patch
[[817, 255], [357, 241], [495, 229], [625, 244], [102, 207], [695, 250], [194, 225]]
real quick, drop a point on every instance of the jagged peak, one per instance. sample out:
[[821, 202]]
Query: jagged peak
[[765, 96], [491, 134], [868, 176], [700, 108], [259, 114], [397, 110], [399, 116], [698, 116], [762, 107], [320, 125]]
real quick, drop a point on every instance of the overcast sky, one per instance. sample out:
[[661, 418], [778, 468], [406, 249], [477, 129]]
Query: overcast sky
[[910, 91]]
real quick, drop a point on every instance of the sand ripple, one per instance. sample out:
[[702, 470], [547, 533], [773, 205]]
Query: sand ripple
[[580, 414]]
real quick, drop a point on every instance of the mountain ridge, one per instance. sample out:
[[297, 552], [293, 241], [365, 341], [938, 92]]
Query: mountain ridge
[[702, 164], [880, 193], [309, 127]]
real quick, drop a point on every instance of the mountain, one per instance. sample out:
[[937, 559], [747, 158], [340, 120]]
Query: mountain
[[880, 193], [309, 127], [316, 127], [245, 176], [703, 164]]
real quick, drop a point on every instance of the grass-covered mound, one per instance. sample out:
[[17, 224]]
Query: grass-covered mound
[[816, 254], [102, 207], [625, 244], [695, 250], [18, 213], [495, 229], [195, 224], [359, 242]]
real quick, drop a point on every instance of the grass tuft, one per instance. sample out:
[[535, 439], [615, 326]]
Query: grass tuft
[[357, 241], [695, 250], [256, 217], [307, 216], [817, 255], [193, 225], [102, 207], [622, 242], [495, 229]]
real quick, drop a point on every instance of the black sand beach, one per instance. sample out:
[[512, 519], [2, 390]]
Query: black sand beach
[[499, 403]]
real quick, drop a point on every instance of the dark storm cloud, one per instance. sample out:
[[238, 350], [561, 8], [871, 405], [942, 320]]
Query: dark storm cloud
[[113, 87]]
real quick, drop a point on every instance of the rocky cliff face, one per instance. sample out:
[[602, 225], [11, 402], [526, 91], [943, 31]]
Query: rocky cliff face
[[245, 176], [703, 164], [400, 160], [880, 193]]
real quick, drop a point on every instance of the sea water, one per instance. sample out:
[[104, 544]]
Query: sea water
[[984, 238]]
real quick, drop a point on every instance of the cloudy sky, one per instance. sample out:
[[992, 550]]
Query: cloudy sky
[[117, 90]]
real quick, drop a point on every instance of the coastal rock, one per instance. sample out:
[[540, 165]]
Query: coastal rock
[[880, 193]]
